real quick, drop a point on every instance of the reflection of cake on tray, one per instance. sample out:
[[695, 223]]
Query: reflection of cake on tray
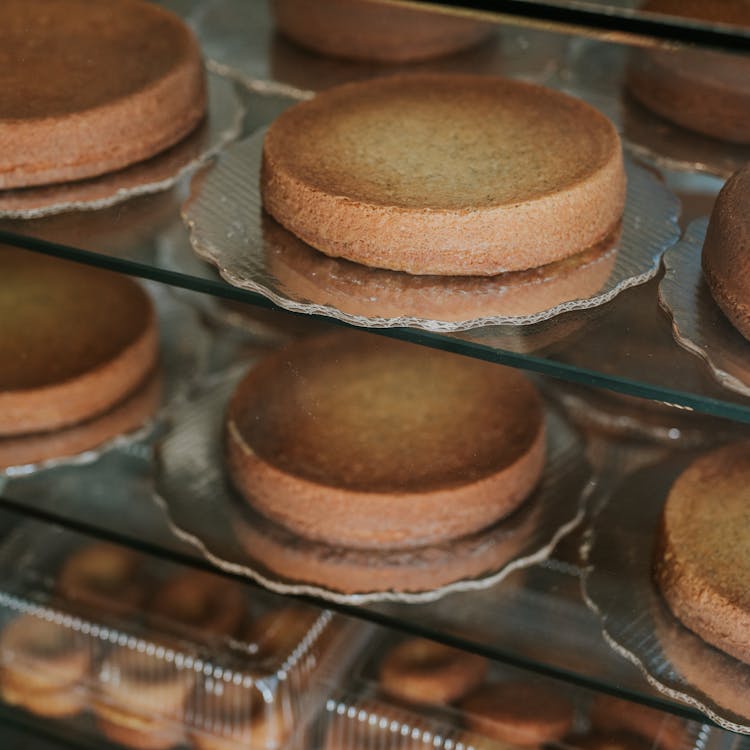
[[309, 275]]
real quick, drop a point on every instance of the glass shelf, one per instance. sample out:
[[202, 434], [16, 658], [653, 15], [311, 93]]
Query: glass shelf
[[535, 619], [625, 345]]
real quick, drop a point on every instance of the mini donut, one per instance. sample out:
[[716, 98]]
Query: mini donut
[[140, 732], [103, 578], [42, 656], [60, 703], [144, 684], [233, 717], [421, 671], [613, 716], [202, 602], [277, 633], [522, 713]]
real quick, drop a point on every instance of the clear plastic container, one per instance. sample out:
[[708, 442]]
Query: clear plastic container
[[155, 655], [393, 701]]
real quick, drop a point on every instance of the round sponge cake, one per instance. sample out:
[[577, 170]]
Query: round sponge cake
[[91, 87], [702, 562], [357, 440], [75, 341], [367, 30], [726, 251], [444, 174], [701, 90]]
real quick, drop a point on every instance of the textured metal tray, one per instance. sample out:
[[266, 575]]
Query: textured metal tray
[[698, 324], [230, 230], [617, 585], [204, 510], [222, 125], [184, 348]]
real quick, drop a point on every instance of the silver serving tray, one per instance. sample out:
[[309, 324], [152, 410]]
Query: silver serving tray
[[192, 487]]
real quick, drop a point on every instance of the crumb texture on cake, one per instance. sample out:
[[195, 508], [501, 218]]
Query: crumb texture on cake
[[91, 87], [444, 174], [726, 251], [702, 561], [361, 440]]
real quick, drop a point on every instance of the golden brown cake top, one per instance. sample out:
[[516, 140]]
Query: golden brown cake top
[[446, 142], [60, 319], [64, 56], [366, 413], [707, 521]]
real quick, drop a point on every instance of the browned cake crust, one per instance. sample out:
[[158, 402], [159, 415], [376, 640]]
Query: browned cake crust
[[133, 412], [522, 713], [362, 441], [414, 569], [75, 340], [444, 174], [373, 292], [726, 251], [701, 563], [704, 91], [366, 30], [91, 87]]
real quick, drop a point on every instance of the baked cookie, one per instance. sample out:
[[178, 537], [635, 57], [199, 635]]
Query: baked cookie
[[76, 340], [444, 174], [91, 87], [701, 564], [421, 671], [199, 604], [45, 667], [141, 698], [726, 251], [701, 90], [362, 441], [103, 578], [367, 30], [522, 713]]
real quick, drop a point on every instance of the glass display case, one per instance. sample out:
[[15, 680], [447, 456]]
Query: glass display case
[[516, 577]]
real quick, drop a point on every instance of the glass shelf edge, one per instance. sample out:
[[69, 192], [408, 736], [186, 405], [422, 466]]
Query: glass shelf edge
[[455, 343], [622, 22], [360, 612]]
